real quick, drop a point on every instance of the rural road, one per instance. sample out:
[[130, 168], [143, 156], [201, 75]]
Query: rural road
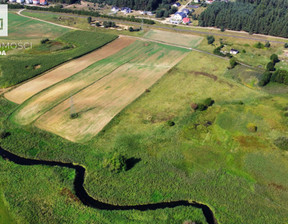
[[259, 37], [69, 27], [140, 38]]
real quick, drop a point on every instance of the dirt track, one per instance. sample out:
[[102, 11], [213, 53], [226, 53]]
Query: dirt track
[[30, 88]]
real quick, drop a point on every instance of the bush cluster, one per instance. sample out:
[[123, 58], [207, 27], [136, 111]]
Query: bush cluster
[[116, 163]]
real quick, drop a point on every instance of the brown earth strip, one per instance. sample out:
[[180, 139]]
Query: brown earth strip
[[30, 88]]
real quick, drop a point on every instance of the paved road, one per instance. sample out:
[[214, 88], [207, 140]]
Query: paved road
[[171, 28], [140, 38]]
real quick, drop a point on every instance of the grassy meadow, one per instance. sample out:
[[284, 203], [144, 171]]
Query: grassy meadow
[[209, 156]]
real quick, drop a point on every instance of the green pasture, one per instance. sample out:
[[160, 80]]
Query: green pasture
[[207, 156], [33, 62]]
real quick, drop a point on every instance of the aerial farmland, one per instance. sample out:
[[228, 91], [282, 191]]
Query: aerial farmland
[[159, 125]]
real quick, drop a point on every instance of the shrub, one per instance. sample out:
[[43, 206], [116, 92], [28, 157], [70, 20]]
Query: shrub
[[267, 44], [286, 114], [116, 164], [209, 102], [74, 115], [280, 76], [201, 107], [282, 143], [243, 51], [194, 106], [89, 19], [44, 41], [4, 134], [266, 77], [232, 62], [270, 66], [286, 45], [251, 127], [210, 39], [259, 45], [170, 123], [274, 58]]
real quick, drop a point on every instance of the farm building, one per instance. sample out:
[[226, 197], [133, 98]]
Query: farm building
[[186, 11], [177, 4], [115, 9], [186, 20], [209, 1], [126, 10], [234, 51], [43, 2], [178, 17]]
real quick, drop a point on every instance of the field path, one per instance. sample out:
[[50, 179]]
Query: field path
[[30, 88], [44, 21]]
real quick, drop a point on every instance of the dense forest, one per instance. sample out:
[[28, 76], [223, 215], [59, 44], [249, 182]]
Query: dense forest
[[149, 5], [254, 16]]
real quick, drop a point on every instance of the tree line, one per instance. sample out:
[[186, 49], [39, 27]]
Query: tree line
[[148, 5], [254, 16], [81, 12]]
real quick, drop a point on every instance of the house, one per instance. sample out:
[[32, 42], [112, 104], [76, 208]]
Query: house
[[186, 20], [43, 2], [209, 1], [197, 1], [36, 2], [150, 13], [28, 1], [115, 9], [12, 1], [20, 1], [178, 17], [234, 51], [177, 4], [126, 10], [186, 11]]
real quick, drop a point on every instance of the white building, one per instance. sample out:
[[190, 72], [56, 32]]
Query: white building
[[20, 1], [36, 2]]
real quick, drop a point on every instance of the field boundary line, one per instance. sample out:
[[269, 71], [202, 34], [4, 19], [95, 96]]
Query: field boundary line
[[66, 98]]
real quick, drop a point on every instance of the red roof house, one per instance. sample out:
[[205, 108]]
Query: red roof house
[[186, 20]]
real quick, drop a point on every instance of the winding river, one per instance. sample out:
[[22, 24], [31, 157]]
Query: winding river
[[83, 196]]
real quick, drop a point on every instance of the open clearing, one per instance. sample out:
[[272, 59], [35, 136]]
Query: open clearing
[[25, 91], [26, 29], [112, 84], [174, 38]]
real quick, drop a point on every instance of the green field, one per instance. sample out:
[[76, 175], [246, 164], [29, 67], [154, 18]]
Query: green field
[[127, 74], [174, 38], [208, 156], [211, 156], [25, 29], [31, 62]]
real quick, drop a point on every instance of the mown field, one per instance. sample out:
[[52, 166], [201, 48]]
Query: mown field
[[209, 156], [174, 38], [41, 57], [101, 91]]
